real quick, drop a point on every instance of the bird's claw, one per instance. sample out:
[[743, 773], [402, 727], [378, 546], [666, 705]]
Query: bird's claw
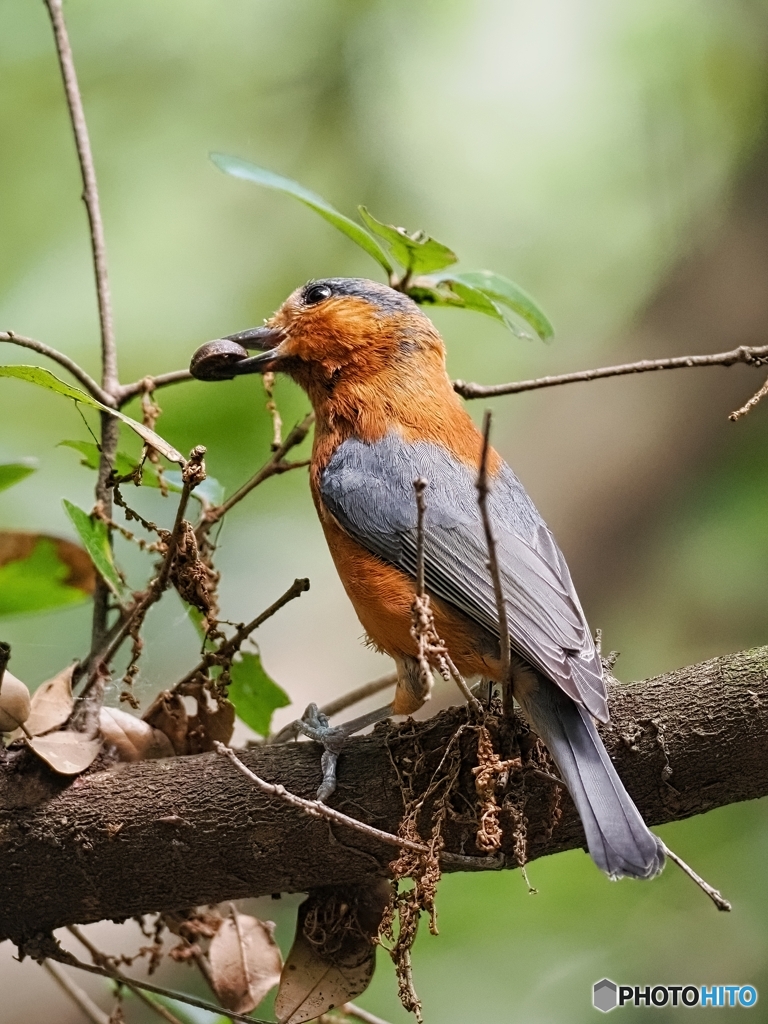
[[316, 726]]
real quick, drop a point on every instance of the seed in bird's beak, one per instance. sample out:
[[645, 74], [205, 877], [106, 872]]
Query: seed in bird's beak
[[217, 360]]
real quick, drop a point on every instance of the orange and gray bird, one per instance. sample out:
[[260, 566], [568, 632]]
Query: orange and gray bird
[[373, 366]]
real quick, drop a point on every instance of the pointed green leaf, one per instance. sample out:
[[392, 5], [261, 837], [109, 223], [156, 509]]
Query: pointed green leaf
[[12, 472], [209, 492], [447, 291], [45, 379], [124, 464], [39, 573], [95, 537], [503, 292], [250, 172], [418, 253], [254, 694]]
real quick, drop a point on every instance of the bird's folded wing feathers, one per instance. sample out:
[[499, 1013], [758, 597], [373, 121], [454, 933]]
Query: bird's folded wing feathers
[[368, 488]]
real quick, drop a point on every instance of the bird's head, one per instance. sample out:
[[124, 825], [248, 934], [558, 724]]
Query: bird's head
[[328, 333]]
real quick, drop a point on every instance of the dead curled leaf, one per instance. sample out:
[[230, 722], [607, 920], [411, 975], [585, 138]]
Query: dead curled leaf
[[15, 703], [245, 961], [52, 703], [333, 956], [133, 739], [68, 753], [168, 714], [16, 545], [191, 734]]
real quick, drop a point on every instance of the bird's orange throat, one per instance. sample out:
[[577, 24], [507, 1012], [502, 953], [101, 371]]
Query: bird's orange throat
[[421, 406]]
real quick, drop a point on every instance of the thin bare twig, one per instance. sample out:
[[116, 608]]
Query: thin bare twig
[[359, 1013], [107, 970], [78, 996], [90, 194], [493, 564], [720, 902], [420, 486], [69, 365], [751, 355], [268, 380], [102, 960], [233, 644], [317, 809], [109, 379], [333, 707], [757, 397], [193, 474], [430, 648], [276, 464], [128, 391]]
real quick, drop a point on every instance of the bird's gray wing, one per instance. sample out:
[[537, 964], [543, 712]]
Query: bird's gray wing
[[368, 488]]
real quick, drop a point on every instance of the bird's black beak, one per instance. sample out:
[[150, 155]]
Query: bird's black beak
[[228, 357]]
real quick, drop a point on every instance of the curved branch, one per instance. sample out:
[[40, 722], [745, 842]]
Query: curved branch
[[750, 355], [70, 365], [119, 843], [128, 391]]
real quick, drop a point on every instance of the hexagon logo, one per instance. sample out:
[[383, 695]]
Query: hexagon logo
[[604, 995]]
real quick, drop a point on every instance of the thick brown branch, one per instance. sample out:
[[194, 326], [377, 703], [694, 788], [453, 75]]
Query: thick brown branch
[[119, 843], [752, 356]]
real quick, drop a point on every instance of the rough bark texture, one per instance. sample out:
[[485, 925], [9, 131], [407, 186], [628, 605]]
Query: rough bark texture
[[163, 835]]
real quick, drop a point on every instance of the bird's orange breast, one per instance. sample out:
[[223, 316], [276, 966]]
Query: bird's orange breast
[[383, 596]]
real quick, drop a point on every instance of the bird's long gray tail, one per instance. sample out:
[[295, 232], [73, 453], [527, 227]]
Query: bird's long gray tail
[[618, 839]]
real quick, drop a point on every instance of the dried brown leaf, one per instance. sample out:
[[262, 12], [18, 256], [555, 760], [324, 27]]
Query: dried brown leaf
[[245, 962], [213, 723], [18, 544], [15, 702], [52, 703], [132, 738], [168, 714], [68, 753], [333, 956], [311, 985]]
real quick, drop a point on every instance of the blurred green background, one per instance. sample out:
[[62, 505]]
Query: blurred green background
[[611, 158]]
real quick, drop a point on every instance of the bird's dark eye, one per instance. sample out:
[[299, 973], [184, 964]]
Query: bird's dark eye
[[317, 293]]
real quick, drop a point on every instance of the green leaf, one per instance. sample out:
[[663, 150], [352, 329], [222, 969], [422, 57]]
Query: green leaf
[[418, 253], [40, 574], [124, 464], [95, 537], [12, 472], [209, 492], [254, 694], [45, 379], [448, 291], [250, 172], [503, 292]]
